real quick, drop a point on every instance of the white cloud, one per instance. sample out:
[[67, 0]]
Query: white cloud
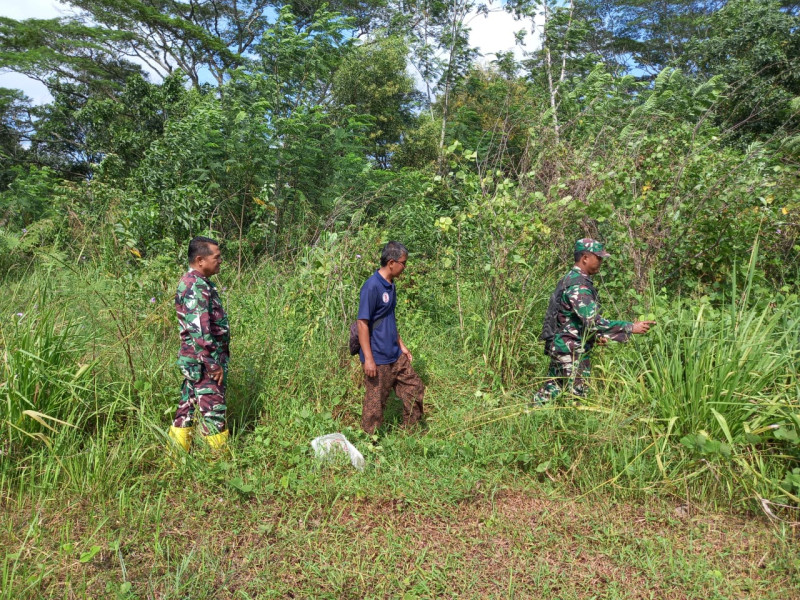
[[31, 9], [494, 33]]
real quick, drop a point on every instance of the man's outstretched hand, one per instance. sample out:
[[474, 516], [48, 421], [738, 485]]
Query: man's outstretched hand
[[642, 326]]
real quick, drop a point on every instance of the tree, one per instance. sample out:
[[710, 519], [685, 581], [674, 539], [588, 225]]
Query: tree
[[65, 50], [262, 161], [190, 35], [120, 130], [60, 140], [493, 114], [438, 38], [643, 34], [15, 128], [373, 80], [300, 59], [366, 16], [754, 46]]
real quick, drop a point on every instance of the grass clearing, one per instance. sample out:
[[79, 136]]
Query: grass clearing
[[498, 543], [615, 498]]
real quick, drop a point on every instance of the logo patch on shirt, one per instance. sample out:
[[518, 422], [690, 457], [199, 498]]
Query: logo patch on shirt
[[385, 297]]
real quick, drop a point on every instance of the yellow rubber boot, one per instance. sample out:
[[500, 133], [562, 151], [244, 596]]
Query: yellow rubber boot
[[182, 436], [218, 441]]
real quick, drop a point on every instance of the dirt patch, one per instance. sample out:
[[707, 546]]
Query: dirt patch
[[516, 544]]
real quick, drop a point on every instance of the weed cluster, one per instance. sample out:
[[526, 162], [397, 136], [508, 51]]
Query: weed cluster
[[705, 409]]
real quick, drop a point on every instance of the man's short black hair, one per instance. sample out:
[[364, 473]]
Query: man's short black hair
[[392, 251], [578, 255], [200, 246]]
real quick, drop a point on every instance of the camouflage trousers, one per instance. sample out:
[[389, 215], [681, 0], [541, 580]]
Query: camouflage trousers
[[407, 386], [563, 372], [200, 391]]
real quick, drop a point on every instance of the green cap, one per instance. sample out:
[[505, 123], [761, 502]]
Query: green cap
[[593, 246]]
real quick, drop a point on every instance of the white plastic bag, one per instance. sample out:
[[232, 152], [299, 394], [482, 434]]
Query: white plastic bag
[[325, 444]]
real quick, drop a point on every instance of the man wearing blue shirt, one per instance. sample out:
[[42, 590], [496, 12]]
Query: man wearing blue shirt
[[386, 360]]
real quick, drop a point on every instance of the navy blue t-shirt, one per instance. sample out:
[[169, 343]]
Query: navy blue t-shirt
[[378, 300]]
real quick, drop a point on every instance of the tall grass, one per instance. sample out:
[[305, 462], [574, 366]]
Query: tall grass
[[44, 370], [657, 422], [713, 386], [722, 384]]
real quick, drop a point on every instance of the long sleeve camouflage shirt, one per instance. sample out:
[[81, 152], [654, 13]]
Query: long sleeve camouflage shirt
[[204, 330], [579, 321]]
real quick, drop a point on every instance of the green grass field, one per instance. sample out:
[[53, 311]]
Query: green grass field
[[674, 479]]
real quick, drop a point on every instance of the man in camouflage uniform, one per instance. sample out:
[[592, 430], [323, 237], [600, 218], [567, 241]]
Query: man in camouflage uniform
[[573, 325], [204, 353]]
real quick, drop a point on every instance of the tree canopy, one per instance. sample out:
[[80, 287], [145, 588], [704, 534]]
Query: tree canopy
[[670, 127]]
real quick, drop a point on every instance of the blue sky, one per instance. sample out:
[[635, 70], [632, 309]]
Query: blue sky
[[491, 34]]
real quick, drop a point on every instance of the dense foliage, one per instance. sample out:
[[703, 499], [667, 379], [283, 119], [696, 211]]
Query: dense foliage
[[670, 130], [304, 135]]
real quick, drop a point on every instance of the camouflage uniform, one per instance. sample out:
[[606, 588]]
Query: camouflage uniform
[[205, 339], [578, 323]]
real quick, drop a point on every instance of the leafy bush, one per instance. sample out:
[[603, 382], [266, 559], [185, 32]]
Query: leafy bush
[[28, 197]]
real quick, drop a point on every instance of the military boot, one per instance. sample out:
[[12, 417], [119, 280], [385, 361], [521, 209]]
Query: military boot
[[182, 436], [217, 442]]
